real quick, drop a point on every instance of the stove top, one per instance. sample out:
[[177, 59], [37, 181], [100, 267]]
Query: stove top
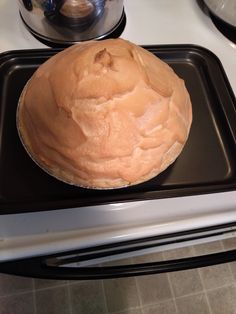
[[149, 22]]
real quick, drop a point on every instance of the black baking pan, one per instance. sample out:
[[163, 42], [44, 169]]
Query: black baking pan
[[206, 165]]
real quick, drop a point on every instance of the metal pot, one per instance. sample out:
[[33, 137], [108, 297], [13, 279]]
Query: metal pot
[[70, 21], [225, 10]]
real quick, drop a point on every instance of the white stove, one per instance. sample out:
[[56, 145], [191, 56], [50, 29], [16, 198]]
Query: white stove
[[149, 22]]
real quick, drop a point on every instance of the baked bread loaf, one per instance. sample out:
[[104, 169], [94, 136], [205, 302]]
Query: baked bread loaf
[[104, 114]]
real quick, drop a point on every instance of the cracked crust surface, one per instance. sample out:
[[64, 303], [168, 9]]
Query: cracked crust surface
[[104, 114]]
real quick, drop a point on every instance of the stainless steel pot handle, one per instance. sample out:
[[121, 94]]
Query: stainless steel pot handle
[[51, 267]]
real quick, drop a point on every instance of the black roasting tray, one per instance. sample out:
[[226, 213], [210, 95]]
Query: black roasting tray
[[207, 163]]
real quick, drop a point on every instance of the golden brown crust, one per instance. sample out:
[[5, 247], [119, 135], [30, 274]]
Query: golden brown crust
[[105, 114]]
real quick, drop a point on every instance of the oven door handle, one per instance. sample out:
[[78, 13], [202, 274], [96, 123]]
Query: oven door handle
[[53, 267]]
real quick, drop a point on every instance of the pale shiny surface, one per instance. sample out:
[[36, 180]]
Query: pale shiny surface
[[95, 225]]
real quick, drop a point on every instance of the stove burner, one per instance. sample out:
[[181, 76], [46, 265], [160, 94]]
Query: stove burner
[[114, 33], [226, 29]]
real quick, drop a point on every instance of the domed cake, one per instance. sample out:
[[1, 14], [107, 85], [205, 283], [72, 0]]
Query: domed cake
[[104, 114]]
